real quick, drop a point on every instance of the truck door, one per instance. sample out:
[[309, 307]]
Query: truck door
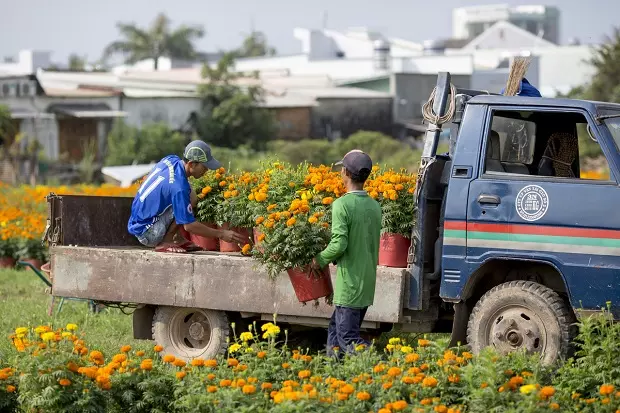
[[550, 211]]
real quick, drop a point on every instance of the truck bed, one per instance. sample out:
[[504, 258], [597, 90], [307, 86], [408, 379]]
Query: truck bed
[[209, 280]]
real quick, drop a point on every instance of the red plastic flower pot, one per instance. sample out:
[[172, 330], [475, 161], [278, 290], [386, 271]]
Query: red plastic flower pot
[[233, 247], [207, 243], [308, 286], [393, 250], [7, 262]]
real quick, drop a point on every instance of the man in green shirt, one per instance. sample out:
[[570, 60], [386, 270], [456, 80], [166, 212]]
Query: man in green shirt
[[354, 247]]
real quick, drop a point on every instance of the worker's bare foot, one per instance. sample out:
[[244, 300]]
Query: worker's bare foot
[[170, 247]]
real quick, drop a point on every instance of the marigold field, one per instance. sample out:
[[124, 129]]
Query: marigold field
[[76, 361]]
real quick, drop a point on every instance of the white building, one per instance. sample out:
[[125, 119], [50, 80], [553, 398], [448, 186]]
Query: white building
[[542, 21]]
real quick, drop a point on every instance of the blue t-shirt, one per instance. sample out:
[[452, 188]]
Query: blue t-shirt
[[166, 185]]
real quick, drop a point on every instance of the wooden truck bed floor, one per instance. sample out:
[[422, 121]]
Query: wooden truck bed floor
[[209, 280]]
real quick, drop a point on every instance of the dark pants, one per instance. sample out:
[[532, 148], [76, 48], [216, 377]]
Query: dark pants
[[344, 330]]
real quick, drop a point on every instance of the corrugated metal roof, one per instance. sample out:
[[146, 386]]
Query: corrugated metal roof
[[60, 92], [126, 174]]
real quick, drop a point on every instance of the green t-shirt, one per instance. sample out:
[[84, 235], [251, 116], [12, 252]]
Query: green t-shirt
[[354, 245]]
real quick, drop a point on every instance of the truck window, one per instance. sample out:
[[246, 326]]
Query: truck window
[[551, 144]]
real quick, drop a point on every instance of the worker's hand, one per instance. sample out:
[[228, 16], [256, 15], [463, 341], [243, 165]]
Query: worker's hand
[[315, 264], [232, 236]]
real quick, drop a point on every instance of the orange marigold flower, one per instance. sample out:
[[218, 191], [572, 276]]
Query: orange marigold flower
[[169, 358], [387, 386], [412, 358], [246, 249], [423, 342], [347, 389], [384, 411], [197, 362], [125, 349], [259, 220], [248, 389], [429, 382], [261, 354], [210, 363], [546, 392], [211, 389], [363, 396], [304, 374], [225, 383], [266, 386], [394, 371], [140, 353], [146, 364], [286, 365], [158, 348], [10, 389], [554, 406], [180, 375], [233, 362], [399, 405], [328, 200], [119, 358], [426, 402], [291, 222], [64, 382], [606, 389], [71, 366], [179, 363]]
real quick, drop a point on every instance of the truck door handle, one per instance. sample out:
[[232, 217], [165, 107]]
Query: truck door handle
[[485, 199]]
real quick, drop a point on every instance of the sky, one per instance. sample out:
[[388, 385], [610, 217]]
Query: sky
[[85, 27]]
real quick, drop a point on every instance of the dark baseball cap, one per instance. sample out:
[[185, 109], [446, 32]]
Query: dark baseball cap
[[199, 151], [357, 162]]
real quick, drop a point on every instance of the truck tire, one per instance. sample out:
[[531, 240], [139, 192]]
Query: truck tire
[[521, 315], [189, 333]]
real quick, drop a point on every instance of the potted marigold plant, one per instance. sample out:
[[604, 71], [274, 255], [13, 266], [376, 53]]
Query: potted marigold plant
[[208, 192], [291, 239], [234, 211], [31, 251], [7, 253], [394, 191]]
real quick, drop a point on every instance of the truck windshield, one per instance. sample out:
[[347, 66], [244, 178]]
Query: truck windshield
[[613, 124]]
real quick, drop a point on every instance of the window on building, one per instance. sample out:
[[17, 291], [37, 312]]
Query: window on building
[[550, 144]]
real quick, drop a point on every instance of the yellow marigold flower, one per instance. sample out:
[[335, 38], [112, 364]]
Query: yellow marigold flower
[[64, 382], [49, 336], [406, 349], [66, 334], [606, 389], [527, 389], [234, 347], [313, 220], [158, 348], [246, 336], [42, 329], [169, 358], [20, 331], [394, 340]]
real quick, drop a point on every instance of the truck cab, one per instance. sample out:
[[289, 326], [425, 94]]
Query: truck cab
[[511, 240]]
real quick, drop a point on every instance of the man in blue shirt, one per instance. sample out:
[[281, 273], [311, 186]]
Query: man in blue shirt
[[165, 202]]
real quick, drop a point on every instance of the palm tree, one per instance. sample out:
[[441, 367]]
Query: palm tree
[[155, 42]]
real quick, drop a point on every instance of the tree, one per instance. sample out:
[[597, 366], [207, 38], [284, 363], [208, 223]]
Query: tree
[[255, 45], [128, 145], [232, 115], [77, 63], [155, 42]]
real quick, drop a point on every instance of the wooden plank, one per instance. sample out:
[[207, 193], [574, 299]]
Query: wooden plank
[[201, 280]]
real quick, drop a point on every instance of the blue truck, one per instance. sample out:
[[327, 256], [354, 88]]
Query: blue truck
[[510, 244]]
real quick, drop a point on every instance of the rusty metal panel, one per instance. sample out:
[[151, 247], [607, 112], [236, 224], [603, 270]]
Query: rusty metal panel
[[91, 220], [202, 280]]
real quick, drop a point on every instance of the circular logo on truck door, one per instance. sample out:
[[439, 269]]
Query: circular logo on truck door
[[532, 203]]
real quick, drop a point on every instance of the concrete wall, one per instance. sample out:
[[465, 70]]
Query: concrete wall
[[173, 111], [339, 118], [293, 123], [411, 91]]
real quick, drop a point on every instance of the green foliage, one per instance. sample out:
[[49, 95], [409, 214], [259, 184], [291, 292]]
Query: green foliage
[[232, 115], [31, 249], [8, 248], [7, 127], [255, 45], [157, 41], [127, 144]]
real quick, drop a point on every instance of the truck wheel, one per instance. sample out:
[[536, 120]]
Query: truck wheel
[[521, 315], [189, 333]]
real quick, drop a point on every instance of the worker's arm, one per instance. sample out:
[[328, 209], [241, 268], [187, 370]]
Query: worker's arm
[[208, 232], [340, 236]]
